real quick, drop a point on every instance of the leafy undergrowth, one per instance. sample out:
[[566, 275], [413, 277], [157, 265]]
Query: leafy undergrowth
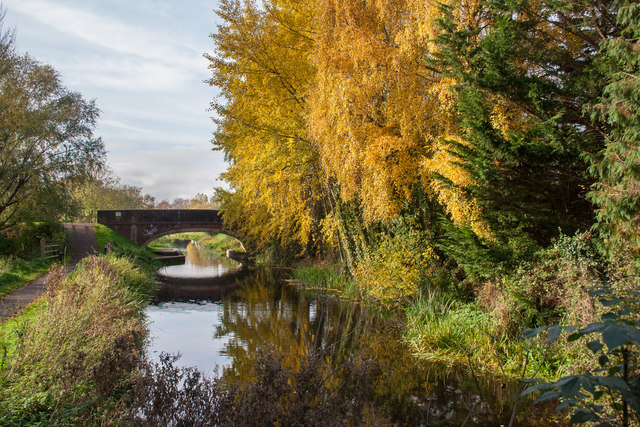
[[15, 272], [69, 359], [121, 246]]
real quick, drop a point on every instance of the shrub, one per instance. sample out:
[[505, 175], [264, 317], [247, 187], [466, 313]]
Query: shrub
[[27, 237], [608, 394], [398, 267], [551, 288], [7, 245], [72, 363], [275, 395]]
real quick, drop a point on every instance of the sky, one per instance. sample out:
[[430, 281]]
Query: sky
[[142, 61]]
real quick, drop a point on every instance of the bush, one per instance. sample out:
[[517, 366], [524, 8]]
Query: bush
[[24, 239], [608, 394], [398, 268], [551, 288], [275, 395], [72, 363], [7, 245]]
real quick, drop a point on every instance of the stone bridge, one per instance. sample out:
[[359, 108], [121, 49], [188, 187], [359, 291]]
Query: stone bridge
[[145, 225]]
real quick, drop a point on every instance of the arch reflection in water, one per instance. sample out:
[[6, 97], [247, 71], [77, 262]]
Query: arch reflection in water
[[189, 309]]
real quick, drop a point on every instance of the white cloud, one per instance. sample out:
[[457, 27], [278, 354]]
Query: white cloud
[[127, 55], [142, 61], [175, 171]]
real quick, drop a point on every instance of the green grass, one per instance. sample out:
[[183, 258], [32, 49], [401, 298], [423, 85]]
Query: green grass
[[12, 329], [217, 242], [15, 272], [69, 358], [327, 278], [143, 257], [441, 330]]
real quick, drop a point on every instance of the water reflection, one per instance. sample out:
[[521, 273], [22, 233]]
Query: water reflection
[[358, 343], [198, 264], [230, 319], [186, 329], [188, 309]]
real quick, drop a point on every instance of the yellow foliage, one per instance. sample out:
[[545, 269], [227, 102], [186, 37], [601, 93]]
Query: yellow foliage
[[457, 204], [397, 268], [341, 91], [378, 109], [261, 69]]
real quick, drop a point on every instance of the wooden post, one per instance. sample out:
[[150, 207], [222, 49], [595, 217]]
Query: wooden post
[[43, 245]]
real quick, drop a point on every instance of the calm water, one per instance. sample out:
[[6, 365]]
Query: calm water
[[212, 314]]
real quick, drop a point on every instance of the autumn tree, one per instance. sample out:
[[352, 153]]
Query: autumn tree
[[104, 190], [46, 135], [263, 70]]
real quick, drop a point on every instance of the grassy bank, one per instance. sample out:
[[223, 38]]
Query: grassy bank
[[15, 272], [69, 359], [123, 247], [481, 327], [219, 243]]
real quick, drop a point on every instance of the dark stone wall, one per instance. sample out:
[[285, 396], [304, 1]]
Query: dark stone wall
[[145, 225]]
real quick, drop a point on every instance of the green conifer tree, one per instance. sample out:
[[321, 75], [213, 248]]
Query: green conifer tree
[[530, 179], [617, 167]]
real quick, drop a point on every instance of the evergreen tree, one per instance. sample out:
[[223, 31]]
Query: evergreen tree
[[617, 167], [522, 78]]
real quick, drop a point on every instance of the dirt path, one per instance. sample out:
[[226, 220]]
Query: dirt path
[[82, 242]]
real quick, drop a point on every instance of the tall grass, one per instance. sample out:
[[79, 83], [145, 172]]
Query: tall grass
[[73, 362], [443, 330], [327, 278]]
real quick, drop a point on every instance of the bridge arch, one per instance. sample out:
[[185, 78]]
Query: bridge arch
[[143, 226], [193, 230]]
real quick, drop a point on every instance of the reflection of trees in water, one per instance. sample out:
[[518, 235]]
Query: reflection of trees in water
[[196, 257], [203, 257], [350, 335]]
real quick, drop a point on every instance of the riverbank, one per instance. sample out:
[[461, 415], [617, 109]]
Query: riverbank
[[68, 357], [482, 329]]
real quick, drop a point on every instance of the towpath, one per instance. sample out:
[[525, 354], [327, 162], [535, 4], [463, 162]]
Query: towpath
[[82, 242]]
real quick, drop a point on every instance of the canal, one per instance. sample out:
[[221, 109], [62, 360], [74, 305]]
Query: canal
[[216, 315]]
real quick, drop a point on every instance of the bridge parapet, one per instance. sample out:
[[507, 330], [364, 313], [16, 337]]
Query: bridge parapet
[[145, 225]]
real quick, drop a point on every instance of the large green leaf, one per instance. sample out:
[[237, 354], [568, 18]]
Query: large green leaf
[[615, 335]]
